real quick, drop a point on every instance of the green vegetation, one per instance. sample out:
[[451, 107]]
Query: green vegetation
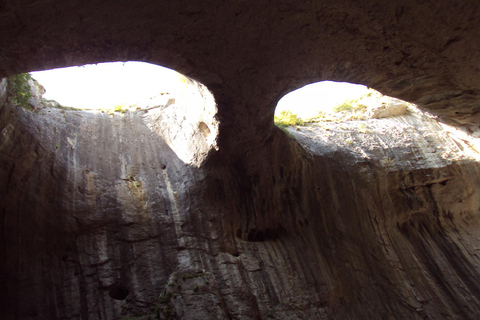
[[270, 313], [322, 116], [164, 309], [164, 306], [20, 89], [349, 110], [286, 118], [194, 275], [20, 93], [120, 108], [165, 298], [346, 106]]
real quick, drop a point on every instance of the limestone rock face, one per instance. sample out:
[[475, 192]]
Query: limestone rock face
[[102, 219], [186, 121], [3, 91], [388, 108], [115, 216]]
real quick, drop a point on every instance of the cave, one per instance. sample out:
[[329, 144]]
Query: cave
[[211, 212]]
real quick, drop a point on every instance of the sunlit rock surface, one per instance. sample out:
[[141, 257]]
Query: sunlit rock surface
[[186, 120], [101, 219]]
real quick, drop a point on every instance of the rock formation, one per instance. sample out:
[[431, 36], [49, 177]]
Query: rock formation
[[105, 217]]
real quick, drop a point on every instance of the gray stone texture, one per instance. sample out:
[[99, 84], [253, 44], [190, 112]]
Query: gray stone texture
[[102, 217]]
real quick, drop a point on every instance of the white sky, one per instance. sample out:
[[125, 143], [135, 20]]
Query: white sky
[[106, 85], [319, 96]]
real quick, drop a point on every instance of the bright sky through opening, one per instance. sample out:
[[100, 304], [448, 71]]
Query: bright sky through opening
[[106, 85], [307, 101]]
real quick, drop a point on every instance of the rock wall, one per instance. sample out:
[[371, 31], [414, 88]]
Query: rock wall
[[100, 219], [103, 217]]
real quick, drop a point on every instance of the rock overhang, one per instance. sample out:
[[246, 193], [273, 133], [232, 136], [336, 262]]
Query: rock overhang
[[251, 55], [268, 222]]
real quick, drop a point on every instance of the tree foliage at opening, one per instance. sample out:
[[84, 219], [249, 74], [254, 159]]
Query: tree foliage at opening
[[20, 89]]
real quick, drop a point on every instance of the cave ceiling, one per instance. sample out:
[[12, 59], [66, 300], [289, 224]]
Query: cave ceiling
[[250, 54], [101, 216]]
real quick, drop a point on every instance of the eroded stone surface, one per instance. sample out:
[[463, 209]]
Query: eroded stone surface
[[102, 220], [186, 120], [98, 214]]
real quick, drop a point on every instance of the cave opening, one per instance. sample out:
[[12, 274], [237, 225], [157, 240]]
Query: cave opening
[[329, 117], [108, 86], [330, 101], [321, 96], [169, 105]]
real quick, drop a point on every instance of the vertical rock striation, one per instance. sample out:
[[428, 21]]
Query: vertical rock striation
[[102, 219], [125, 215]]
